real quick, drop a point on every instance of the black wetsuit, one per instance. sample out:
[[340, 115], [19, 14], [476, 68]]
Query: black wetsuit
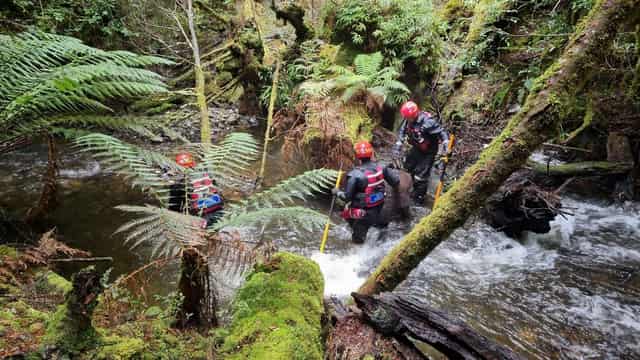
[[355, 192], [424, 135]]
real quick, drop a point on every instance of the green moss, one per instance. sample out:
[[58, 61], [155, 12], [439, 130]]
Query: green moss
[[62, 334], [8, 251], [52, 282], [120, 348], [277, 312], [358, 124]]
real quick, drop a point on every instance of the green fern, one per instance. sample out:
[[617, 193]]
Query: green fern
[[306, 218], [230, 159], [298, 187], [50, 82], [140, 166], [368, 78], [166, 231]]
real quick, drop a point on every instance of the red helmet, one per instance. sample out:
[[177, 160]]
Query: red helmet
[[185, 159], [409, 110], [363, 149]]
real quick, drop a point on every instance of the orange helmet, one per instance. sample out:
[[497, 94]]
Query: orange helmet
[[409, 110], [363, 149], [185, 159]]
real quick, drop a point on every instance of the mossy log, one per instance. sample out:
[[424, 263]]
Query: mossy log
[[585, 168], [526, 131], [69, 330], [277, 313]]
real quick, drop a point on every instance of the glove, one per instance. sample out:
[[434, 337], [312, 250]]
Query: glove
[[443, 148], [335, 191], [396, 151]]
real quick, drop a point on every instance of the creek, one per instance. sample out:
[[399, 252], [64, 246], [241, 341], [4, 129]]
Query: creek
[[571, 294]]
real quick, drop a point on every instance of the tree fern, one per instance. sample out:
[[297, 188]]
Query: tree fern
[[141, 167], [166, 231], [45, 78], [306, 218], [367, 78], [230, 159], [298, 187]]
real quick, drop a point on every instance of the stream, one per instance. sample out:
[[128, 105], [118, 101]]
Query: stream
[[571, 294]]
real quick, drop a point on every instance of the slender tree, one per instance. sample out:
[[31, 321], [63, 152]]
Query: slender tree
[[536, 123]]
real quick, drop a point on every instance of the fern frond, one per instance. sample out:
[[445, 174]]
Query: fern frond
[[368, 64], [44, 75], [166, 231], [230, 159], [138, 165], [298, 187], [307, 219]]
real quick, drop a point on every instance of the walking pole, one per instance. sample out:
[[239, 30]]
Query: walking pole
[[445, 160], [325, 234]]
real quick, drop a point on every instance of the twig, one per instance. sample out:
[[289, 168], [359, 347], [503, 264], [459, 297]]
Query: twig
[[91, 259], [564, 147]]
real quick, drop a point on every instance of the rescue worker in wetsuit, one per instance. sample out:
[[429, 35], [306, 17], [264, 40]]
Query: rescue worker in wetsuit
[[199, 196], [365, 192], [424, 133]]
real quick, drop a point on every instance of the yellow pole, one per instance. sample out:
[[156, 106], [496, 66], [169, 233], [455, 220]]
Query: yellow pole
[[325, 234], [445, 160]]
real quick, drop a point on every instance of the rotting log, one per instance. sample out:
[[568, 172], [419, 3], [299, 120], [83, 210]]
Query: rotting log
[[407, 318], [536, 122], [585, 168]]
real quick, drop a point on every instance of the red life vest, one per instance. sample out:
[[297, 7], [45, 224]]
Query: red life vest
[[204, 196], [374, 192]]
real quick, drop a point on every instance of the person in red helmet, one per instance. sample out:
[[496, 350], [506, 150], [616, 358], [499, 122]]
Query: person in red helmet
[[427, 138], [198, 196], [365, 192]]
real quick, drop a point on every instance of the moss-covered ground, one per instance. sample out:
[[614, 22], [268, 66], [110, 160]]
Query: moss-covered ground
[[276, 314]]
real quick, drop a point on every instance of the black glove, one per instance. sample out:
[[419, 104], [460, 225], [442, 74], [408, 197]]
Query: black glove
[[396, 150]]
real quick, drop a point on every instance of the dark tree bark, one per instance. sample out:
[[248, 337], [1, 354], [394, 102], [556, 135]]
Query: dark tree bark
[[198, 305], [526, 131], [404, 317], [47, 201]]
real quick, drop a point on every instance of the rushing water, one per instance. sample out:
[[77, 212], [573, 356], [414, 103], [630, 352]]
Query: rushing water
[[570, 294]]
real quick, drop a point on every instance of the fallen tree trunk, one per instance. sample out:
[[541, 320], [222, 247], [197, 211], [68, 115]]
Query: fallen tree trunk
[[585, 168], [408, 317], [526, 131]]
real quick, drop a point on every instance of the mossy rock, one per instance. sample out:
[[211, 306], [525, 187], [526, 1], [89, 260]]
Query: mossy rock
[[277, 312]]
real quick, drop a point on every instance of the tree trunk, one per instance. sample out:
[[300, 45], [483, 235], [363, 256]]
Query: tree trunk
[[198, 304], [267, 131], [47, 199], [585, 168], [70, 328], [201, 98], [526, 131]]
